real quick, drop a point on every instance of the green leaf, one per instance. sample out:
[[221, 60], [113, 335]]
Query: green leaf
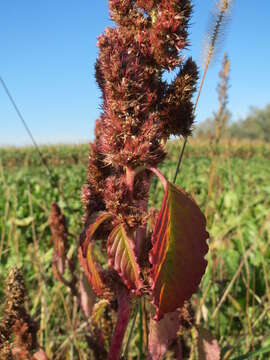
[[252, 354], [23, 222]]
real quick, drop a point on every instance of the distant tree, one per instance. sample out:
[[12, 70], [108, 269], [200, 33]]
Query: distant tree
[[205, 129], [255, 126]]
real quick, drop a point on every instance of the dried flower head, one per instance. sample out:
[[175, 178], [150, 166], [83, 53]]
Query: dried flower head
[[18, 332], [59, 236]]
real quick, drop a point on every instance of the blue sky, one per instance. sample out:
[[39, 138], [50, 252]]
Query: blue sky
[[48, 50]]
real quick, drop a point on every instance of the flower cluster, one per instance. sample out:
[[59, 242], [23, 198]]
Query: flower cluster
[[140, 109]]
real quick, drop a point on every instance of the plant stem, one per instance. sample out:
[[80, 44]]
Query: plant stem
[[121, 324], [141, 331], [180, 160], [130, 174], [131, 332], [194, 109]]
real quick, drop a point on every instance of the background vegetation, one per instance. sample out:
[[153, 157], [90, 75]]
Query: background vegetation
[[234, 299], [255, 126]]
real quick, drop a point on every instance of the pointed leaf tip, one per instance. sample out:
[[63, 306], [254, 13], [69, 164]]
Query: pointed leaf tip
[[179, 246], [97, 220]]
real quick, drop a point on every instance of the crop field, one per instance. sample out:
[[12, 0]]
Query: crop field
[[233, 303]]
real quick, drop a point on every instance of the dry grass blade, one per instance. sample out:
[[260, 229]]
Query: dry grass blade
[[240, 267], [70, 326], [221, 118], [223, 9], [227, 291]]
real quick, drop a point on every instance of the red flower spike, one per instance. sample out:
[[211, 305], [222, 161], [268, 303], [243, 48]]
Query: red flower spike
[[179, 247], [122, 257]]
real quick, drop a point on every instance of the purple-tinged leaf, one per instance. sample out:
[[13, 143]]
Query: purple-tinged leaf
[[208, 348], [179, 247], [85, 253], [87, 296], [92, 270], [40, 355], [162, 334], [98, 219]]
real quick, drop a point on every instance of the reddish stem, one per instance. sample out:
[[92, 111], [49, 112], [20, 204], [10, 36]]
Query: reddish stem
[[180, 350], [121, 325], [142, 231], [139, 242], [160, 176], [130, 175]]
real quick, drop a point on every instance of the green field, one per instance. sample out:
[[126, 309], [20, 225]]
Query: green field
[[234, 299]]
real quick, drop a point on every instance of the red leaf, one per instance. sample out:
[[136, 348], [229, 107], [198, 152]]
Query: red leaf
[[40, 355], [85, 253], [122, 257], [208, 348], [179, 247], [162, 334], [87, 297], [98, 219], [92, 270]]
